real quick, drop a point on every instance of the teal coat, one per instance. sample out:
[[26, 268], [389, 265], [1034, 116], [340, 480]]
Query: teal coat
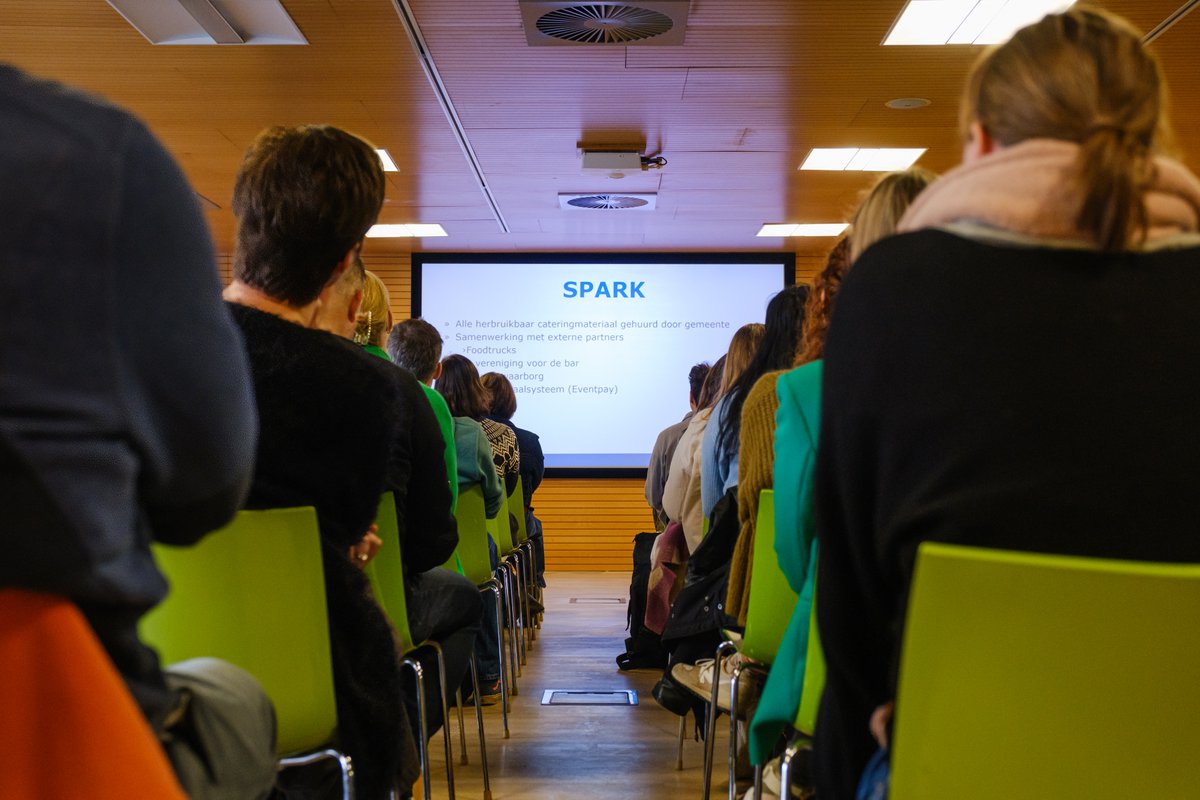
[[796, 424]]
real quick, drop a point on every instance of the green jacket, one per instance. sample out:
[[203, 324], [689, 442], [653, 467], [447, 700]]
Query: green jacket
[[796, 425]]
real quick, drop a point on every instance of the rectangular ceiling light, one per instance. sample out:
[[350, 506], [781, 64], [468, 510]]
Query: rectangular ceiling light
[[864, 159], [803, 229], [386, 159], [967, 21], [390, 231], [196, 22]]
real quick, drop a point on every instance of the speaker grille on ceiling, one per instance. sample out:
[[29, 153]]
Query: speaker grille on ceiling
[[570, 22]]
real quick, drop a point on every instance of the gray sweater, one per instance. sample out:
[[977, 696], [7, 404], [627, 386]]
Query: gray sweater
[[124, 391]]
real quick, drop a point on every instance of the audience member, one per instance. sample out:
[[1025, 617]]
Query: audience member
[[1016, 370], [665, 444], [416, 346], [149, 436], [752, 405], [502, 407], [459, 383], [681, 492], [337, 426]]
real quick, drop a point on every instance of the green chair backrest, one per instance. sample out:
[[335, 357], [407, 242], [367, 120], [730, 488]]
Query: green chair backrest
[[814, 678], [771, 598], [516, 507], [501, 531], [386, 572], [1028, 675], [253, 594], [472, 536]]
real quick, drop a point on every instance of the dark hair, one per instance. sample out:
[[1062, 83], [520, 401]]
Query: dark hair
[[696, 377], [712, 385], [415, 345], [304, 197], [503, 399], [820, 302], [777, 350], [459, 384]]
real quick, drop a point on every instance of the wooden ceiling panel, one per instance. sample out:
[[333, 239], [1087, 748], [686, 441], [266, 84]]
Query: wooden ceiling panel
[[734, 109]]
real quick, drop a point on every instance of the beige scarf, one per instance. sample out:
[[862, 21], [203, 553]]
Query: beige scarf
[[1030, 189]]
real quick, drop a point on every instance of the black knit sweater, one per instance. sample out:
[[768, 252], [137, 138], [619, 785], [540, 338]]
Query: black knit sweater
[[337, 428], [1016, 397]]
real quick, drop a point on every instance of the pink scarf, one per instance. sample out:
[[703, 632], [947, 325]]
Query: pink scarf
[[1030, 189]]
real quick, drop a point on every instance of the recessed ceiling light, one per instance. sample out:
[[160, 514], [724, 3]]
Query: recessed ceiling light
[[386, 158], [908, 102], [202, 22], [862, 159], [967, 21], [392, 231], [803, 229]]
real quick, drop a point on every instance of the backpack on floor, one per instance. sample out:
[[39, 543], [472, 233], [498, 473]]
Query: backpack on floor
[[643, 648]]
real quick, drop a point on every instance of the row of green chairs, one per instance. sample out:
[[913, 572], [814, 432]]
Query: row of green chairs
[[1025, 674], [247, 594]]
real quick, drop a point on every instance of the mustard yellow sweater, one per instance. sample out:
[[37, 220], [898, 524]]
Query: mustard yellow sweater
[[756, 467]]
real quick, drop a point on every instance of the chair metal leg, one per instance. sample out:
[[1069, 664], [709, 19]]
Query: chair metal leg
[[679, 754], [785, 767], [447, 736], [734, 685], [415, 666], [710, 726], [506, 569], [345, 766], [758, 775], [493, 586], [487, 784], [462, 728]]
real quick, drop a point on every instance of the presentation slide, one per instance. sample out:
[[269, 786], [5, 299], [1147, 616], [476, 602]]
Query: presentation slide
[[598, 353]]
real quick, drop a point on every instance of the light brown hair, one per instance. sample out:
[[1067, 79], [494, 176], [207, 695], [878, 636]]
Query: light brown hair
[[374, 313], [742, 347], [883, 206], [1081, 76]]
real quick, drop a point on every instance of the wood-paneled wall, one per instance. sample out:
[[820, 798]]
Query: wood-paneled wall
[[588, 524]]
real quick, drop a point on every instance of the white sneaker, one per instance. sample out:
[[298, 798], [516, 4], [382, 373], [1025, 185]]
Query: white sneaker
[[770, 782], [697, 678]]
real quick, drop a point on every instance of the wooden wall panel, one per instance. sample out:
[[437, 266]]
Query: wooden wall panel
[[590, 524]]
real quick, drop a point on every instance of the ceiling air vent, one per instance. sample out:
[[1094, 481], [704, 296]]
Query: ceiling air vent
[[608, 202], [567, 22]]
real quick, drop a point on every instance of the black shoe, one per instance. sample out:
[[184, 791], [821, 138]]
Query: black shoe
[[535, 606], [670, 696]]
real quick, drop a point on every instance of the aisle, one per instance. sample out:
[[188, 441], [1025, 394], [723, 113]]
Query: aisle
[[579, 752]]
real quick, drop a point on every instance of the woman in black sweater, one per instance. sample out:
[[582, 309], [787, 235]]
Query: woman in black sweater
[[1018, 371]]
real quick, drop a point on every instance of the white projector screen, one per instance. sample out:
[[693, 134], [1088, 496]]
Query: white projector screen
[[597, 348]]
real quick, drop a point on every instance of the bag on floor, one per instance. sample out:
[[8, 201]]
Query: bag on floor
[[643, 648]]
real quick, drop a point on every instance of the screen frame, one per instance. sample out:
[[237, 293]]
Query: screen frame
[[419, 259]]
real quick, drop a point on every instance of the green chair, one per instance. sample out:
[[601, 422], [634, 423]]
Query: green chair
[[810, 700], [766, 620], [510, 572], [477, 567], [253, 594], [522, 545], [386, 575], [1029, 675]]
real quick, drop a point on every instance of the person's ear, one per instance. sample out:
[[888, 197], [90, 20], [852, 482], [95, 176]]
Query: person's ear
[[437, 371], [979, 144], [355, 305]]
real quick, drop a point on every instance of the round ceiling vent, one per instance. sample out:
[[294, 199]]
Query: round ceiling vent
[[607, 201], [604, 23]]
